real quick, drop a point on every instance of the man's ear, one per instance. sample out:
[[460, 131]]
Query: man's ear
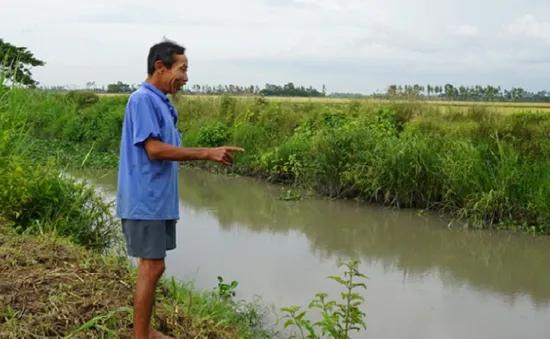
[[159, 66]]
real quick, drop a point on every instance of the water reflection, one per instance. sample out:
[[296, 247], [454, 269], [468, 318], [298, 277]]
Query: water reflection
[[434, 281], [510, 264]]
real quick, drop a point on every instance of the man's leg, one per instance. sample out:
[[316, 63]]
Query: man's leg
[[149, 272], [170, 236], [146, 240]]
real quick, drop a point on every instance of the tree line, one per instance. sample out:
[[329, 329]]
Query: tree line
[[429, 92], [288, 90], [466, 93]]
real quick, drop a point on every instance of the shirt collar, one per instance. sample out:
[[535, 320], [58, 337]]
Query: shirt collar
[[156, 91], [164, 98]]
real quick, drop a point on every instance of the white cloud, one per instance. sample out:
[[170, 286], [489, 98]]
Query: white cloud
[[349, 45], [530, 26], [466, 31]]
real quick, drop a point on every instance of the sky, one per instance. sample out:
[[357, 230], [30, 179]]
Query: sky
[[348, 45]]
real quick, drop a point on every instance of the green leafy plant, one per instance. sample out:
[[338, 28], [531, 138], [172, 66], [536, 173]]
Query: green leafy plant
[[226, 291], [98, 323], [290, 195], [338, 319], [214, 134]]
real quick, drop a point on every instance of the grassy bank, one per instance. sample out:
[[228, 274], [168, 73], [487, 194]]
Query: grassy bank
[[491, 169], [54, 288]]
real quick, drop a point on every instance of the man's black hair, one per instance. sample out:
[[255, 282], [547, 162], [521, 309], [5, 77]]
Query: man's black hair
[[164, 51]]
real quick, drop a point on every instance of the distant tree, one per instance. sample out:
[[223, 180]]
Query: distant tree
[[16, 63], [391, 90], [120, 87], [90, 85], [290, 90]]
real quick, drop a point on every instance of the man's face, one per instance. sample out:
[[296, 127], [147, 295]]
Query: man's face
[[173, 79]]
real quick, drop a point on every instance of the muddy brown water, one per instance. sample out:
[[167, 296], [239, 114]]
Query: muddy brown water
[[426, 280]]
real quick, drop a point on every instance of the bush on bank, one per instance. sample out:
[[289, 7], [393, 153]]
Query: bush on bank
[[490, 168], [37, 197]]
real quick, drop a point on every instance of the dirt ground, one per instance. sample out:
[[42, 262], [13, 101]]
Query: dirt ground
[[50, 288]]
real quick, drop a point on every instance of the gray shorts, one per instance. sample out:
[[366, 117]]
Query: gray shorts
[[149, 239]]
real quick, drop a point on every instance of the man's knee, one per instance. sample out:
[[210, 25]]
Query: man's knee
[[153, 268]]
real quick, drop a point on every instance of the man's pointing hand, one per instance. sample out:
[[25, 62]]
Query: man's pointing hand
[[223, 154]]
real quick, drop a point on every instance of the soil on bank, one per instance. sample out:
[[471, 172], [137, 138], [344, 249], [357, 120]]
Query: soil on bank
[[51, 288]]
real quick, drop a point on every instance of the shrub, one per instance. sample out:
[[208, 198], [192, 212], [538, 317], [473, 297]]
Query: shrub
[[82, 98]]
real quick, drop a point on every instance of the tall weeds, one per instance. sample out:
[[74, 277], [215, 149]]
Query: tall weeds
[[487, 167], [38, 197]]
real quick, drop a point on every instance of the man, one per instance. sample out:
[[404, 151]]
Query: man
[[147, 192]]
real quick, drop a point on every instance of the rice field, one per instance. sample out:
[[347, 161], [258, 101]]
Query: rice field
[[444, 105]]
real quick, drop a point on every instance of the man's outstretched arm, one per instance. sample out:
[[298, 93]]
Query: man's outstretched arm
[[157, 150], [146, 133]]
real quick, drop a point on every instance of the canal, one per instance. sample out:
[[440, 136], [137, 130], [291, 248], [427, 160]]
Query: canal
[[426, 280]]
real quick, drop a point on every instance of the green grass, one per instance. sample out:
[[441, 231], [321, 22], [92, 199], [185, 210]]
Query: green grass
[[488, 167]]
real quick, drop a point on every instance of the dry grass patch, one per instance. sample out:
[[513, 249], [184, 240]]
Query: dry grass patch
[[51, 288]]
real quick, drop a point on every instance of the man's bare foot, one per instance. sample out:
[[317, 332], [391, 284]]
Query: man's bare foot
[[153, 334]]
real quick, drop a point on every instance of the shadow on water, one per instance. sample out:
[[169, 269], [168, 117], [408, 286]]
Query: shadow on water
[[511, 268]]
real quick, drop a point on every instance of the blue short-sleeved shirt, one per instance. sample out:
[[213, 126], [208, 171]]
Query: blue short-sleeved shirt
[[147, 189]]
